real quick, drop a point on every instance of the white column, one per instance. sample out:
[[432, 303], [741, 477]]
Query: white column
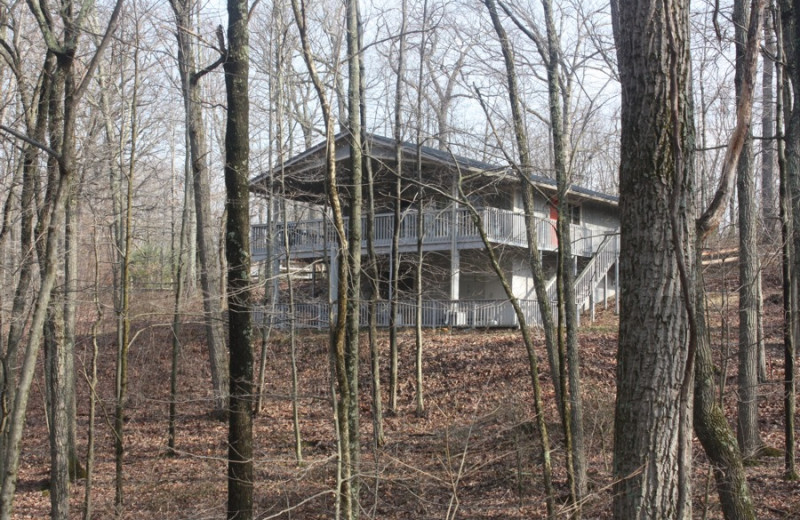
[[333, 275], [455, 257]]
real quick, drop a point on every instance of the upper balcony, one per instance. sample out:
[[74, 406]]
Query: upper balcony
[[441, 231]]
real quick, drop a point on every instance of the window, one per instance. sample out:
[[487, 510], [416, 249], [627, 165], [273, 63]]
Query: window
[[574, 213]]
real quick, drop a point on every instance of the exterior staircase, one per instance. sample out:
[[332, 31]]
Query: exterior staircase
[[593, 278]]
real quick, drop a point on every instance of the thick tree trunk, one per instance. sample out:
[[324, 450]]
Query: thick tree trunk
[[54, 347], [651, 427], [71, 245], [237, 253]]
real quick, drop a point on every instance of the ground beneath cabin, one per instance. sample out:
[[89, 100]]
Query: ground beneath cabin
[[474, 456]]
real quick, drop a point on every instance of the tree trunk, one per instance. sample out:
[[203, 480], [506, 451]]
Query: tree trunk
[[61, 176], [419, 396], [651, 441], [748, 435], [354, 248], [124, 318], [525, 166], [373, 271], [237, 253], [788, 49], [769, 207], [559, 94], [10, 364], [398, 213], [209, 267], [344, 495], [54, 354], [71, 245]]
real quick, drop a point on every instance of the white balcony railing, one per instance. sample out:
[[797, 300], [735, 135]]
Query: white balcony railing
[[435, 313], [439, 228]]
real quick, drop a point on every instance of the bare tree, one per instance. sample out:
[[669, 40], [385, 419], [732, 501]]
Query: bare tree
[[397, 129], [677, 250], [749, 264], [184, 11], [67, 87], [346, 499], [789, 85], [237, 252]]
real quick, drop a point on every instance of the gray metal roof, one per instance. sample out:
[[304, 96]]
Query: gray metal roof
[[384, 147]]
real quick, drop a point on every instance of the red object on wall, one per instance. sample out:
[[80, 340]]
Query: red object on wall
[[554, 209], [554, 217]]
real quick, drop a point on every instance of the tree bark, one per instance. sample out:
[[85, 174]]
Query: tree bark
[[209, 268], [341, 387], [789, 160], [237, 253], [748, 435], [769, 206], [355, 204], [651, 442], [394, 281]]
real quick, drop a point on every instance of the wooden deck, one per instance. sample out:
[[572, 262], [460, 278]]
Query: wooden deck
[[591, 288], [441, 230]]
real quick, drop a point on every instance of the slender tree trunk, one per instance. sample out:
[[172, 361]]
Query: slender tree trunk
[[418, 280], [522, 170], [711, 424], [769, 208], [10, 364], [398, 213], [209, 268], [92, 380], [298, 444], [749, 269], [790, 302], [179, 276], [374, 276], [355, 234], [237, 253], [125, 311], [344, 496], [533, 364], [559, 95]]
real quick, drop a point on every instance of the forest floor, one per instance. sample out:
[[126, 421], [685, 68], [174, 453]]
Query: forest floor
[[475, 455]]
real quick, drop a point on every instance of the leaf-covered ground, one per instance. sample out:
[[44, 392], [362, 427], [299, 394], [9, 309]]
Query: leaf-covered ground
[[475, 455]]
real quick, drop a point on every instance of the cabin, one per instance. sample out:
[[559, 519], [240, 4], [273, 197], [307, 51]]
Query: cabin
[[439, 196]]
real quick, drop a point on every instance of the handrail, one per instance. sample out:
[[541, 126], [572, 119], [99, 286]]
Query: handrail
[[439, 227], [597, 267]]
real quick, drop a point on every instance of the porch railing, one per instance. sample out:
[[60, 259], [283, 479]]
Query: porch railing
[[435, 314], [439, 228]]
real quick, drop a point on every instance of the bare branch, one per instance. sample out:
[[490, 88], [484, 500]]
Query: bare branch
[[31, 142]]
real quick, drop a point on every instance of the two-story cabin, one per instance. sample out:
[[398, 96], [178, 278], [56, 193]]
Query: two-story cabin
[[459, 287]]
